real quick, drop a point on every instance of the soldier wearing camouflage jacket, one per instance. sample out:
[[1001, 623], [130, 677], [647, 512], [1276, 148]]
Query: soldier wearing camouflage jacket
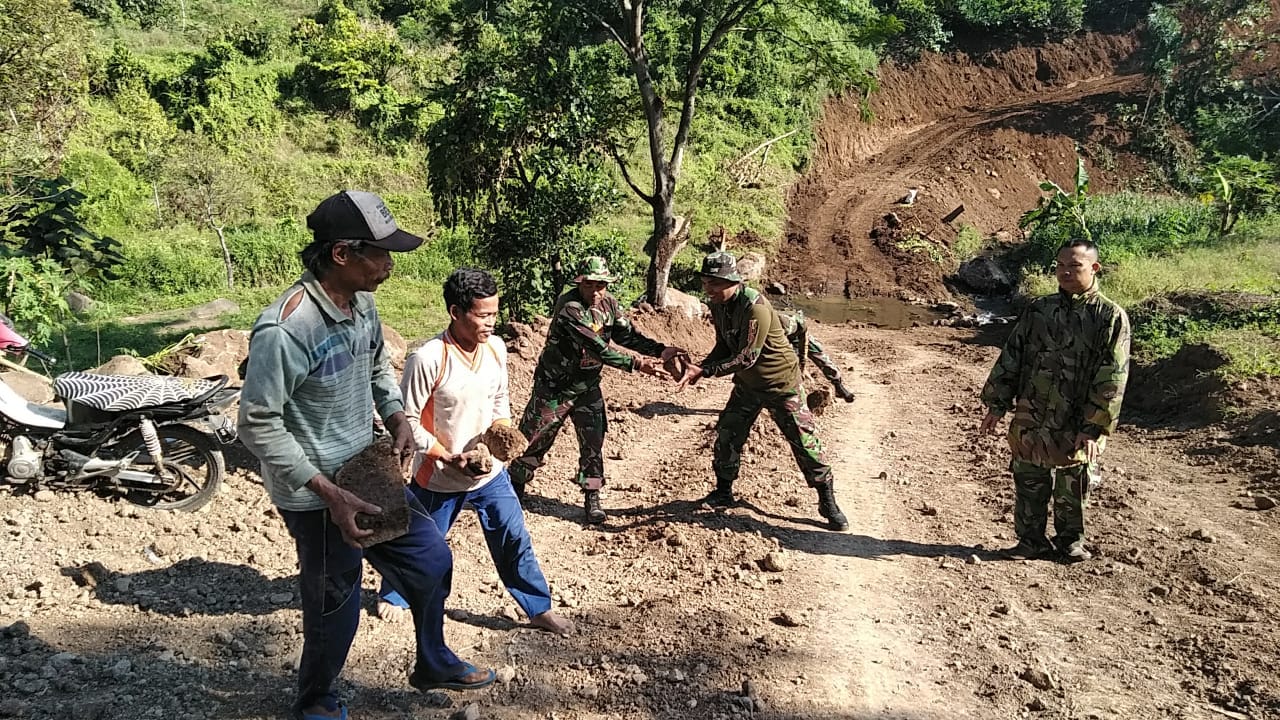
[[796, 327], [1062, 373], [566, 382], [752, 346]]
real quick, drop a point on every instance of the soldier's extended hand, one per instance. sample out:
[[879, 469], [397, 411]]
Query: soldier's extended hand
[[672, 352], [1090, 447], [989, 423], [652, 366], [691, 374]]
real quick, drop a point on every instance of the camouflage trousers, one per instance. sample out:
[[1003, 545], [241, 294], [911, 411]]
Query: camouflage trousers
[[545, 415], [1035, 486], [793, 418]]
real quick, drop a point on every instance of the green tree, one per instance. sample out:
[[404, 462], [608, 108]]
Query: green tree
[[608, 75], [1060, 211], [42, 79], [360, 68], [1241, 186], [206, 187]]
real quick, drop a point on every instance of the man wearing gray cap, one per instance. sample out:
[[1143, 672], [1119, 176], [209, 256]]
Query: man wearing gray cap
[[317, 369]]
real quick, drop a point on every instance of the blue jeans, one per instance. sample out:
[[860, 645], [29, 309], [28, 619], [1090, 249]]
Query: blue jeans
[[418, 564], [502, 520]]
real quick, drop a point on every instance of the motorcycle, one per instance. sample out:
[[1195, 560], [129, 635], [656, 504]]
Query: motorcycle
[[155, 440]]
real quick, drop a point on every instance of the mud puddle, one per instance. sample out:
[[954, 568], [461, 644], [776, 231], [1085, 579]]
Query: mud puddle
[[881, 312]]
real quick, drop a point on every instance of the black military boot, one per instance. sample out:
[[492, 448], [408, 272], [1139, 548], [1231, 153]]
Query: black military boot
[[841, 391], [591, 506], [721, 497], [828, 509]]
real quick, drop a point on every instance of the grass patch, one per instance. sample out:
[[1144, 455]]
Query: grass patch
[[142, 324], [968, 245]]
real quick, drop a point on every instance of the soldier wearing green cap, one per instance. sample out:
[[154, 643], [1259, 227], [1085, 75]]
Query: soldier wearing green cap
[[752, 346], [1062, 373], [566, 382]]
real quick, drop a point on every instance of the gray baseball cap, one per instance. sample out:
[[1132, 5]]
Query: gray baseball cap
[[359, 215]]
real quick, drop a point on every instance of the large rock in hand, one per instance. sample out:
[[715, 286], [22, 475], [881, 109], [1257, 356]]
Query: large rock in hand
[[374, 475], [505, 442]]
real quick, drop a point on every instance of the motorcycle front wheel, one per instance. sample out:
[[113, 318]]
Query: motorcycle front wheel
[[195, 465]]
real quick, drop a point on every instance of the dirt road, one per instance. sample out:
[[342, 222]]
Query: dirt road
[[111, 612]]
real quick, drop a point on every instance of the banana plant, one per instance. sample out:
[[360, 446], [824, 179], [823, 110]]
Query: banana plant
[[1062, 207]]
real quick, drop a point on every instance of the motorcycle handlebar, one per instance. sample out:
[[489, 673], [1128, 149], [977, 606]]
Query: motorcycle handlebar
[[42, 357]]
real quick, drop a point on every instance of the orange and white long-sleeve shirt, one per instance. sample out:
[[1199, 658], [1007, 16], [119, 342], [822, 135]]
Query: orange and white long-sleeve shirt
[[451, 398]]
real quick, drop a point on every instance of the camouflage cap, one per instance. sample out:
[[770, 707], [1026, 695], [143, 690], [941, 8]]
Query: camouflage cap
[[720, 265], [595, 268]]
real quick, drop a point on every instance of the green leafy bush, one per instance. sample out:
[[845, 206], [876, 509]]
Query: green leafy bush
[[33, 293]]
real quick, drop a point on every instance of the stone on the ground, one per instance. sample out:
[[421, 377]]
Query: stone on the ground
[[775, 561], [212, 309], [122, 365], [80, 303], [28, 386], [470, 712], [1037, 678], [751, 266], [683, 303]]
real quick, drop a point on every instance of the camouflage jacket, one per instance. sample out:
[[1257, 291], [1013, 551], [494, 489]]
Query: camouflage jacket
[[751, 344], [796, 327], [1062, 372], [578, 344]]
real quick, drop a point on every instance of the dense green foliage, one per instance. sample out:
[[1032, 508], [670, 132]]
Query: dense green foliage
[[516, 134]]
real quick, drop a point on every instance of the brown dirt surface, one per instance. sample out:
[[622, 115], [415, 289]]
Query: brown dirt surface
[[113, 611], [374, 475], [979, 132], [505, 442]]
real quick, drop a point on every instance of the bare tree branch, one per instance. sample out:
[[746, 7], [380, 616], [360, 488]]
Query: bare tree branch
[[626, 174], [698, 54]]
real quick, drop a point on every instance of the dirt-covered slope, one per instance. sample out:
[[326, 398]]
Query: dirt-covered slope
[[978, 132]]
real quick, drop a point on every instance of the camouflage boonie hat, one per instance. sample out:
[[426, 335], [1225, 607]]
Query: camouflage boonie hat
[[595, 268], [720, 265]]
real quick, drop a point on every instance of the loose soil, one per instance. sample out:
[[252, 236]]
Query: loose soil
[[975, 135], [112, 611]]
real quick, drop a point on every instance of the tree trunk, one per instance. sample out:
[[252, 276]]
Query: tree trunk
[[226, 254], [671, 233]]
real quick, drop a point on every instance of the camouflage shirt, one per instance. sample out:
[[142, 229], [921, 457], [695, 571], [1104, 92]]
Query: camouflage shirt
[[751, 344], [578, 343], [796, 327], [1062, 372]]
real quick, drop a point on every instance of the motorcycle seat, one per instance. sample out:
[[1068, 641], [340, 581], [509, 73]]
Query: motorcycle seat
[[121, 393]]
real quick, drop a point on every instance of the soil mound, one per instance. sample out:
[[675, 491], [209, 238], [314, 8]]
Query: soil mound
[[1182, 390], [973, 135]]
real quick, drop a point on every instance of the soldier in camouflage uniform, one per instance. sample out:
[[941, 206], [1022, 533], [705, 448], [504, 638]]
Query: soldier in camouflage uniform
[[796, 327], [566, 382], [1062, 373], [752, 347]]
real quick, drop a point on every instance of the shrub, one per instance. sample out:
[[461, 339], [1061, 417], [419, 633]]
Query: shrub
[[1128, 225], [170, 262]]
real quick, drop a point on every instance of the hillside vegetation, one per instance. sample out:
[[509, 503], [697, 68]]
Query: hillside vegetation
[[164, 152]]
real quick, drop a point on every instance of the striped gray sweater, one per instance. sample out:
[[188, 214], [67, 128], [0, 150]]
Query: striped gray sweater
[[312, 383]]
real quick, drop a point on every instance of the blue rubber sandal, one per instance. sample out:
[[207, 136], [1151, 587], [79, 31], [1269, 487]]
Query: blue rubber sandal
[[455, 683]]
